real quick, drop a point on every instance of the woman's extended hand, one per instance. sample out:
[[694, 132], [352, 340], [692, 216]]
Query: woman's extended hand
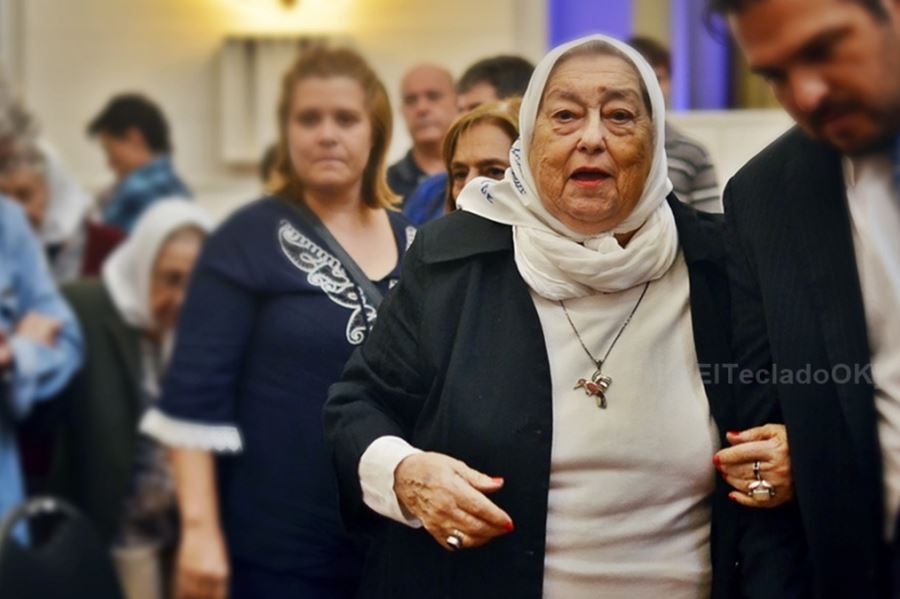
[[201, 568], [449, 499], [768, 445]]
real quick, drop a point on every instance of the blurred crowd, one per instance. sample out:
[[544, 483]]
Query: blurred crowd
[[93, 285], [164, 376]]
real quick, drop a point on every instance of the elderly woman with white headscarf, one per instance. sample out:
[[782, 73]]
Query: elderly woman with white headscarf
[[533, 395], [119, 479], [34, 175]]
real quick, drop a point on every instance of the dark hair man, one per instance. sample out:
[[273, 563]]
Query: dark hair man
[[814, 254], [134, 135], [492, 79], [691, 170]]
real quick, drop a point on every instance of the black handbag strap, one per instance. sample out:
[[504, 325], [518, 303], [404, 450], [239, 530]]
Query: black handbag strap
[[353, 270]]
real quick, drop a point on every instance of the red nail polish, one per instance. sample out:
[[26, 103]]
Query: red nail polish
[[734, 433], [509, 527], [717, 462], [497, 479], [732, 497]]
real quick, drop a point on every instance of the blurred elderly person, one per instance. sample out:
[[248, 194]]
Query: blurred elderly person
[[40, 344], [134, 135], [32, 174], [119, 479], [428, 105], [544, 348], [75, 246], [284, 291], [476, 145]]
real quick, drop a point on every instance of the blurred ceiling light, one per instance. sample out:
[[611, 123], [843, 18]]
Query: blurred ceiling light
[[288, 17]]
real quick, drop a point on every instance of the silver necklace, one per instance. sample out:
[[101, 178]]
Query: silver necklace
[[599, 383]]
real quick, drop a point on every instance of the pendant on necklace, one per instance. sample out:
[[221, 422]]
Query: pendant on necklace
[[595, 387]]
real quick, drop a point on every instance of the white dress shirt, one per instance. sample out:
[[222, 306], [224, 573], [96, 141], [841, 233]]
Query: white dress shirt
[[875, 216]]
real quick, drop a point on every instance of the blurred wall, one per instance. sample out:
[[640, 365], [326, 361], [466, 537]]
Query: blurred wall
[[73, 54], [76, 53], [651, 19]]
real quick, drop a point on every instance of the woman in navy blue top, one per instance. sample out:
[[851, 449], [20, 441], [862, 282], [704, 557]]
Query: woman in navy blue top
[[272, 315]]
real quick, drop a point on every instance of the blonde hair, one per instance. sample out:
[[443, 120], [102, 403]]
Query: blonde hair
[[338, 62], [503, 114]]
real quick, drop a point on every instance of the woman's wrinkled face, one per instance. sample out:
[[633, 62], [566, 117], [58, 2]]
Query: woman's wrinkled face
[[593, 143], [329, 133], [481, 151], [169, 278]]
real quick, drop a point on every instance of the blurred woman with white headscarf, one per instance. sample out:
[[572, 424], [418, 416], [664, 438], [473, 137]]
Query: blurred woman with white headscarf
[[118, 478], [34, 175]]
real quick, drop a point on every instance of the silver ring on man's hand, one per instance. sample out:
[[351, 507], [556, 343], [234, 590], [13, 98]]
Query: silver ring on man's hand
[[761, 489], [455, 540]]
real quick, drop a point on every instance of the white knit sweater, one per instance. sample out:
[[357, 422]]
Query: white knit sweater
[[629, 510]]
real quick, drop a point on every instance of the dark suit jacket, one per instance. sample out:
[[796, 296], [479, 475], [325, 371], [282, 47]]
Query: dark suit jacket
[[95, 448], [797, 303], [457, 364]]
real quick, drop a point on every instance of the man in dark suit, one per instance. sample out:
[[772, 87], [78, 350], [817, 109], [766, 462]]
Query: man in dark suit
[[814, 233]]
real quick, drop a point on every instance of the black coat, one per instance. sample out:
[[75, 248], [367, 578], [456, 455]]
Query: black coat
[[798, 304], [94, 453], [457, 364]]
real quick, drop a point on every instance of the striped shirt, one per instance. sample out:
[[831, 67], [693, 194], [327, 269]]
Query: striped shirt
[[692, 172]]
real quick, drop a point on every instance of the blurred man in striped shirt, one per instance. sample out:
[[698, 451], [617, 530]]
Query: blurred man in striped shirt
[[690, 169]]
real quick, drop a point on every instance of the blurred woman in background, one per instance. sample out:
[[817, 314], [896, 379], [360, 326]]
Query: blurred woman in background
[[119, 479], [57, 207], [284, 291], [75, 247], [476, 145]]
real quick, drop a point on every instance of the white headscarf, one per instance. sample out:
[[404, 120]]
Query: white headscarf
[[128, 269], [67, 202], [556, 262]]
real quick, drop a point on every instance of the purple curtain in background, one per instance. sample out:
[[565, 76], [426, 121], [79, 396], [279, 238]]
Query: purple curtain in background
[[571, 19], [701, 62]]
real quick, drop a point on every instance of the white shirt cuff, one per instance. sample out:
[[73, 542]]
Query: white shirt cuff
[[376, 477]]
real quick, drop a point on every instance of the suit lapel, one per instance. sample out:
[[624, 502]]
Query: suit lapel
[[821, 225], [703, 247]]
